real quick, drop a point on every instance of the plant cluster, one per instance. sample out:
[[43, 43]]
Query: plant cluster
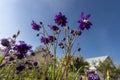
[[15, 65]]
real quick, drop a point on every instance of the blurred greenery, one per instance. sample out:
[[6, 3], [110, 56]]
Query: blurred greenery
[[108, 65]]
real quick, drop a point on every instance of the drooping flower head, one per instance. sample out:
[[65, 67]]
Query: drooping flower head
[[84, 22], [93, 76], [32, 53], [35, 63], [51, 38], [22, 48], [60, 19], [19, 68], [75, 32], [20, 56], [5, 42], [61, 45], [35, 26], [11, 58], [44, 40], [54, 28]]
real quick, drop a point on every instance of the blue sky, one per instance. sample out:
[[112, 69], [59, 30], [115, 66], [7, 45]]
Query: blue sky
[[102, 39]]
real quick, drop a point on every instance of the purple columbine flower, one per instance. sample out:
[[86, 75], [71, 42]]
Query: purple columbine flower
[[61, 45], [90, 78], [35, 26], [22, 48], [32, 53], [79, 49], [28, 63], [60, 19], [84, 22], [11, 58], [54, 28], [35, 63], [19, 68], [44, 50], [5, 42], [20, 56], [44, 40], [51, 38], [96, 77], [75, 32]]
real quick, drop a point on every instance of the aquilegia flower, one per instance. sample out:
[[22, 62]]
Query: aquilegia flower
[[54, 28], [19, 68], [51, 38], [35, 26], [75, 32], [5, 42], [84, 22], [44, 40], [11, 58], [32, 53], [35, 63], [20, 56], [61, 45], [60, 19], [22, 48]]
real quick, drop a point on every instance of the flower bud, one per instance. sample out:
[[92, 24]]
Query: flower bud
[[5, 42]]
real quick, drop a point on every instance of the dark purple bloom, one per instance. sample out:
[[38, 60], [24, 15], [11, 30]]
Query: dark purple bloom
[[35, 26], [5, 42], [37, 34], [32, 53], [96, 77], [77, 60], [76, 32], [11, 58], [44, 50], [60, 19], [79, 49], [54, 28], [72, 31], [22, 47], [64, 39], [20, 56], [35, 63], [90, 78], [44, 40], [84, 22], [20, 67], [28, 62], [51, 38], [61, 45]]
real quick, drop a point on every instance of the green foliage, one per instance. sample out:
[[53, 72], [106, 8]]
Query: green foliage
[[105, 66], [116, 72], [78, 63], [0, 58], [17, 65]]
